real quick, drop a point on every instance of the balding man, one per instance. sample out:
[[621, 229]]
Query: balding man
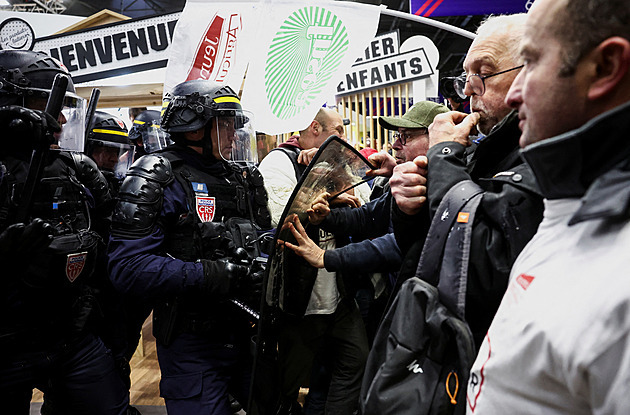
[[283, 167], [560, 342], [332, 316], [511, 208]]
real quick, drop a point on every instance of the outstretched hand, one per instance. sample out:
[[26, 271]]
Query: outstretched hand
[[306, 247], [319, 209]]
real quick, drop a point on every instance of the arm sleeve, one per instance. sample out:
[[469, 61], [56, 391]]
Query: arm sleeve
[[368, 221], [279, 176], [140, 267], [372, 255]]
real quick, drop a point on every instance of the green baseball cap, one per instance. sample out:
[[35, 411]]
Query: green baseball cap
[[420, 115]]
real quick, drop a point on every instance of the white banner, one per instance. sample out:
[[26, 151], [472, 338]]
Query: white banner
[[213, 40], [303, 50]]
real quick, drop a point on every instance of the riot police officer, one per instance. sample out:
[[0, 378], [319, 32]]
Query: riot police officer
[[146, 133], [109, 146], [181, 214], [45, 291]]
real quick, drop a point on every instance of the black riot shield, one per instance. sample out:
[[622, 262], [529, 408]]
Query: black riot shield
[[336, 168]]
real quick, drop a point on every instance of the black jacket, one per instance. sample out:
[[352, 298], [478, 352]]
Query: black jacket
[[507, 218]]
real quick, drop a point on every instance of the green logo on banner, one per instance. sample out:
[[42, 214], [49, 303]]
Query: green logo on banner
[[303, 56]]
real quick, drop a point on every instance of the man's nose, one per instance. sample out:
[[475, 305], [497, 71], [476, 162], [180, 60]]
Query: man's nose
[[514, 97], [397, 144]]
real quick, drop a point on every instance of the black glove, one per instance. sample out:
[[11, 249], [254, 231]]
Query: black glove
[[34, 128], [19, 240], [250, 288], [222, 276]]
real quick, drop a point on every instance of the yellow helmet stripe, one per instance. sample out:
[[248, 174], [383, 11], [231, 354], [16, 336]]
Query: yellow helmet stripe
[[221, 100], [124, 134]]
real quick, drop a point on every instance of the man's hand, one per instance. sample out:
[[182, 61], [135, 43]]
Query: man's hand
[[319, 209], [306, 248], [306, 156], [31, 126], [408, 185], [452, 126], [384, 164]]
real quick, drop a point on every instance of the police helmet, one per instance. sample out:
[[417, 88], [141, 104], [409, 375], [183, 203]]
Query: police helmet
[[107, 127], [146, 131], [26, 78], [24, 73], [191, 104], [108, 144]]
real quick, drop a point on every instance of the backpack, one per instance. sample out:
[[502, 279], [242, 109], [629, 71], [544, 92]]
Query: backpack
[[423, 350]]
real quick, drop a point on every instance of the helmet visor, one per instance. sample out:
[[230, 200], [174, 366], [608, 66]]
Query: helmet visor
[[111, 157], [236, 137], [72, 120], [153, 137]]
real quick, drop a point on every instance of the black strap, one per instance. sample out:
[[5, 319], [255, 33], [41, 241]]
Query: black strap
[[293, 153], [446, 253]]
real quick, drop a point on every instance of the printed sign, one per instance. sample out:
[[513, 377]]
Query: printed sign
[[75, 264], [115, 49], [385, 63], [303, 50], [16, 33], [213, 41]]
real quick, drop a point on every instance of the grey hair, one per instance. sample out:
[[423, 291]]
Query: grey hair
[[584, 24], [511, 27]]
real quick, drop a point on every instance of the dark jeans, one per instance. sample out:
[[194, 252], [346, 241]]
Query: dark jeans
[[300, 340], [80, 375]]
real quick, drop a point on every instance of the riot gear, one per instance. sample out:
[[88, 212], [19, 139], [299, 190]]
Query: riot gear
[[26, 78], [108, 144], [146, 132], [191, 105]]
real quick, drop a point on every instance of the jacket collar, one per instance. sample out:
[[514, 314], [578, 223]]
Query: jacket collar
[[591, 162], [498, 151]]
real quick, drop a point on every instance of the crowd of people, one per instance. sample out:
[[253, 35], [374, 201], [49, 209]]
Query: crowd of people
[[101, 225]]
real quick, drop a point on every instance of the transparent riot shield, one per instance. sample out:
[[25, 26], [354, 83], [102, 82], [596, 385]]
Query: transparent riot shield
[[336, 168]]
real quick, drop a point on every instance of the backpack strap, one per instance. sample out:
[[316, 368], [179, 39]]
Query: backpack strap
[[446, 253]]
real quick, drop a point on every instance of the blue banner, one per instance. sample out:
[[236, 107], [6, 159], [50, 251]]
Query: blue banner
[[432, 8]]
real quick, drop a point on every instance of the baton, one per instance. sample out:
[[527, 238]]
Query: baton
[[36, 167], [91, 109]]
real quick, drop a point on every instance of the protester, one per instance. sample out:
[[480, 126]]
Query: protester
[[560, 342], [332, 315], [511, 207]]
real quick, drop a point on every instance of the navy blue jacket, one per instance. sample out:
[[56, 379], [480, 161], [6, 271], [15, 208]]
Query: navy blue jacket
[[372, 220]]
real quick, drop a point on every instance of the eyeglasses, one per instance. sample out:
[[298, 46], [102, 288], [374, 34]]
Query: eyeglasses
[[404, 136], [477, 82]]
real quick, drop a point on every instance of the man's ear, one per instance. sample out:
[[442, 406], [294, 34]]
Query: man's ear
[[316, 127], [612, 60], [196, 135]]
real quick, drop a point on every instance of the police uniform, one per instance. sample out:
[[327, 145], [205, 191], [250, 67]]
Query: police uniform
[[174, 232], [46, 297]]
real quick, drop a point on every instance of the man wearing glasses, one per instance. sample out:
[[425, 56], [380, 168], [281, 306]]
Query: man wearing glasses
[[511, 208]]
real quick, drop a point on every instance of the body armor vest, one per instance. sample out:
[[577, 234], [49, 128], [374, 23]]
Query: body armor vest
[[219, 207], [55, 278]]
